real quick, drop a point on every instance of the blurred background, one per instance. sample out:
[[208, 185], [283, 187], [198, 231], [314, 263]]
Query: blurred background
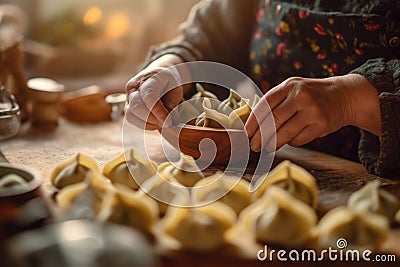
[[103, 42]]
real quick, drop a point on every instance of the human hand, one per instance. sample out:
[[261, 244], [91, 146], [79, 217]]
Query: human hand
[[153, 93], [305, 109]]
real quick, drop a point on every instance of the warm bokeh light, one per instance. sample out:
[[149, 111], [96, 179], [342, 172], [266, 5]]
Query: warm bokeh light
[[118, 25], [92, 15]]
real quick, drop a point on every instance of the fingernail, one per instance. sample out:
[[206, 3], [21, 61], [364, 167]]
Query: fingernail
[[246, 129], [255, 146], [129, 85]]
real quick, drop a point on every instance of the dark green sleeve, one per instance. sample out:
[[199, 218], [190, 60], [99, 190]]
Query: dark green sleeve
[[216, 30], [382, 155]]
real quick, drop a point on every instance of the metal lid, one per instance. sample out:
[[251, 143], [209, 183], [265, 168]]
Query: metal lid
[[8, 103]]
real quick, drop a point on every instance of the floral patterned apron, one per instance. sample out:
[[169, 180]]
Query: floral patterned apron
[[292, 41]]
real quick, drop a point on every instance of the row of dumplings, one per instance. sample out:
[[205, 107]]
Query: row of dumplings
[[205, 109], [281, 212]]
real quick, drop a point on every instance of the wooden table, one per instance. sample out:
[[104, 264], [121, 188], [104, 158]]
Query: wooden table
[[41, 151]]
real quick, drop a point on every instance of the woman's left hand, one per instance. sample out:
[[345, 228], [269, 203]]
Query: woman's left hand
[[304, 109]]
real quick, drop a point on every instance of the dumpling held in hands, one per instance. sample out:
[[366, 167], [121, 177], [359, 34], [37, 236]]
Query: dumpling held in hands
[[206, 110]]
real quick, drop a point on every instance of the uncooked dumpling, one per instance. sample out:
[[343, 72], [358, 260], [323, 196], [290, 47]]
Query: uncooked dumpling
[[231, 113], [166, 192], [230, 190], [230, 103], [372, 198], [95, 192], [189, 111], [185, 171], [360, 230], [256, 99], [296, 180], [202, 228], [279, 218], [239, 116], [73, 170], [96, 198], [201, 92], [214, 118], [130, 169], [133, 209]]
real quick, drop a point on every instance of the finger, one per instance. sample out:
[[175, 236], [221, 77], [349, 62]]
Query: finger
[[172, 98], [308, 134], [132, 84], [268, 102], [278, 94], [151, 95], [288, 131], [133, 97], [257, 116], [264, 133], [135, 82], [138, 122], [282, 113], [139, 109]]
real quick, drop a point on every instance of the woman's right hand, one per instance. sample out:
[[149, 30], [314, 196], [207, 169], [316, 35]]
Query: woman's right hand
[[153, 93]]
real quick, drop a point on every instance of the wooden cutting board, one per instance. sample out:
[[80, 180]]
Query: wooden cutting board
[[42, 151]]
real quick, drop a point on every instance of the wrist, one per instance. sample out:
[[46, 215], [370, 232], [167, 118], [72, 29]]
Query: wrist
[[363, 103], [166, 61]]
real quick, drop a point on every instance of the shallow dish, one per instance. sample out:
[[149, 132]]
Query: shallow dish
[[19, 194]]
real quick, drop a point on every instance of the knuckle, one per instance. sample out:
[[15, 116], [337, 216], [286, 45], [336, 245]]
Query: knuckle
[[293, 81], [150, 97], [304, 92], [278, 120], [286, 134]]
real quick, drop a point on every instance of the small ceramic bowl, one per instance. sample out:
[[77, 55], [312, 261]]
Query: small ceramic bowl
[[18, 194], [45, 90], [221, 146]]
